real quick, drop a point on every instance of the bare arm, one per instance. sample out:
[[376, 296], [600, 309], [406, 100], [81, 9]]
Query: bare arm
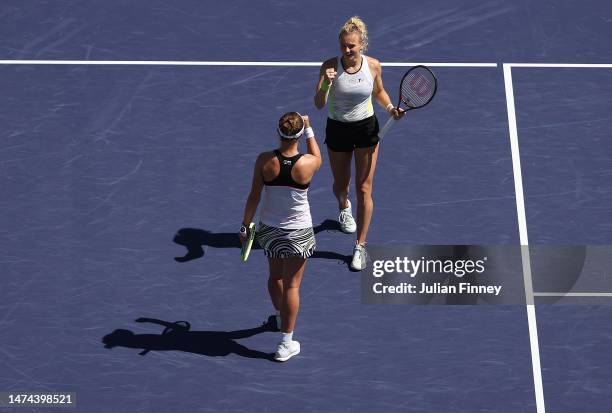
[[381, 95], [255, 194], [327, 74], [312, 147]]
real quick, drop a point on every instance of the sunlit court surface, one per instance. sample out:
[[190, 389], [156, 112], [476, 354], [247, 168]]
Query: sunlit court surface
[[128, 140]]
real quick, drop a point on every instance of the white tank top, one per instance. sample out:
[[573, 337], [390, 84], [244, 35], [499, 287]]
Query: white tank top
[[350, 95], [285, 202]]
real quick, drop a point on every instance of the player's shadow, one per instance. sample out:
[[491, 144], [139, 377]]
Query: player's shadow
[[177, 336], [194, 239]]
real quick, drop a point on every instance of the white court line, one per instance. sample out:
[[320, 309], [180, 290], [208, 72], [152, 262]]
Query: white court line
[[562, 65], [573, 294], [522, 221], [296, 64], [439, 64], [219, 63]]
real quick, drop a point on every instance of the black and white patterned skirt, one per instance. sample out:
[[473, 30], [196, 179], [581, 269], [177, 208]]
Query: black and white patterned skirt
[[285, 243]]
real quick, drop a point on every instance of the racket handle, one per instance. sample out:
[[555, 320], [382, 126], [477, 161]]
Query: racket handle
[[385, 129]]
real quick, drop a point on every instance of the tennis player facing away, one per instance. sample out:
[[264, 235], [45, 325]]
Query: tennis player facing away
[[346, 85], [285, 229]]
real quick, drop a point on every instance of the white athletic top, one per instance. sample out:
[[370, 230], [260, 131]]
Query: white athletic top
[[285, 202], [350, 95], [285, 207]]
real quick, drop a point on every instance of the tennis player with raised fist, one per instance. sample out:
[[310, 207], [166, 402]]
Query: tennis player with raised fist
[[346, 85]]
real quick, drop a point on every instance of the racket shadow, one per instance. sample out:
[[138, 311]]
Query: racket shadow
[[195, 239], [178, 337]]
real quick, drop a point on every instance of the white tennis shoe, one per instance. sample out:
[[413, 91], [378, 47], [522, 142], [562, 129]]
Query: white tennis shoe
[[360, 258], [347, 222], [286, 350]]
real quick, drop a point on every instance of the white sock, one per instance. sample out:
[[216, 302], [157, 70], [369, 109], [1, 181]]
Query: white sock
[[287, 336]]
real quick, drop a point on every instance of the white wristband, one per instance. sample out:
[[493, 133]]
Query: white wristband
[[389, 107], [309, 133]]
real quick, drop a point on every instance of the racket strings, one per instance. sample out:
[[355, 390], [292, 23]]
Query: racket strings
[[417, 88]]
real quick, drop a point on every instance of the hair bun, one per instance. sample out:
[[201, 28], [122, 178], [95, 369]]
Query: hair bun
[[356, 25], [291, 123]]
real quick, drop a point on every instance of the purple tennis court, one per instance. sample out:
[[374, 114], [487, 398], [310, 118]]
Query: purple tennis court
[[129, 136]]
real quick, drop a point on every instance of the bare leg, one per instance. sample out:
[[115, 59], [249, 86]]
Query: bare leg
[[293, 270], [340, 163], [365, 165], [275, 282]]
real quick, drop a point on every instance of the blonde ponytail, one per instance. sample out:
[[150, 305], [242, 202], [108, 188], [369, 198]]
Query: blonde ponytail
[[356, 25]]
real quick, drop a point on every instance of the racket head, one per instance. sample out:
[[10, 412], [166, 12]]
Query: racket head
[[246, 247], [417, 88], [177, 327]]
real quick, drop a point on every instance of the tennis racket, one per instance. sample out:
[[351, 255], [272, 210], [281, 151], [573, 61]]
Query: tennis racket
[[246, 247], [176, 327], [417, 89]]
